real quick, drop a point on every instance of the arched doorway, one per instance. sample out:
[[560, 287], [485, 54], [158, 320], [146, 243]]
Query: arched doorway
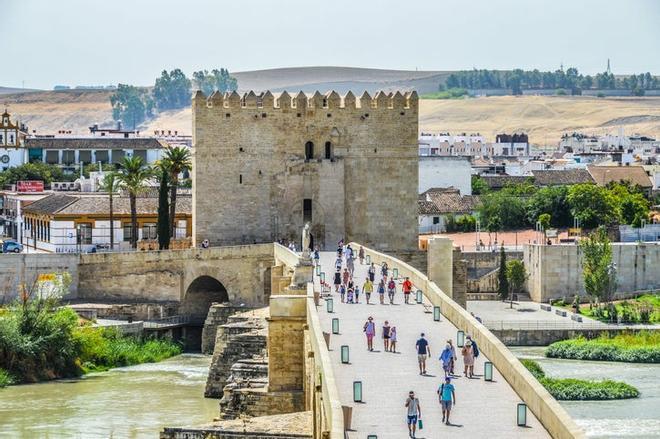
[[309, 150], [201, 293]]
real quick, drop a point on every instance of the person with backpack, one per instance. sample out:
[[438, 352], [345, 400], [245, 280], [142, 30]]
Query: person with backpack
[[445, 393], [391, 289], [381, 291], [475, 350], [414, 413], [446, 359], [368, 288], [468, 359], [370, 331]]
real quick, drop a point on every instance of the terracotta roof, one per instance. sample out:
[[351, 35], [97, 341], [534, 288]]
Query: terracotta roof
[[446, 201], [499, 181], [553, 177], [94, 143], [603, 175], [100, 205]]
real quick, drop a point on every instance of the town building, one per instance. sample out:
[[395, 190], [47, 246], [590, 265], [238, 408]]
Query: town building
[[67, 223], [445, 171], [558, 177], [636, 175], [436, 205], [12, 204], [264, 167], [12, 136]]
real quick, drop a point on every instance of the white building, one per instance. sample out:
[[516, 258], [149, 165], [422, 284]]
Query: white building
[[445, 171], [12, 135]]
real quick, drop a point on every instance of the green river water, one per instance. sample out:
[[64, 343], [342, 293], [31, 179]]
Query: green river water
[[129, 402], [629, 418]]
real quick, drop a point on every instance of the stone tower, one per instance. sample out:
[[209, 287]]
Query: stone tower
[[263, 167]]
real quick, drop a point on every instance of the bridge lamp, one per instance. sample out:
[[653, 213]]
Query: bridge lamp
[[329, 306], [460, 339], [372, 436], [335, 325], [368, 258], [357, 391], [395, 273], [322, 275], [436, 313], [345, 358], [420, 296], [318, 270], [488, 371], [522, 414]]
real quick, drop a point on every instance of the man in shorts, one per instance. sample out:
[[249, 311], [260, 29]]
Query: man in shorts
[[414, 413], [407, 288], [445, 393], [423, 352]]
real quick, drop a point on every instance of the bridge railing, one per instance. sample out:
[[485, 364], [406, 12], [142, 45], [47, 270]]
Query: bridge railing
[[552, 416], [331, 418], [178, 320], [286, 256]]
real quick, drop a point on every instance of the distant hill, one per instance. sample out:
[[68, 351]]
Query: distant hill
[[545, 118], [12, 90]]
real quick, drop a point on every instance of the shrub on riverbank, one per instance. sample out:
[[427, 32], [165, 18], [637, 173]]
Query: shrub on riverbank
[[571, 389], [39, 340], [641, 347], [5, 378]]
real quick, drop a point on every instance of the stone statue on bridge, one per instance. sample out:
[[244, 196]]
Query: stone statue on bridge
[[306, 241]]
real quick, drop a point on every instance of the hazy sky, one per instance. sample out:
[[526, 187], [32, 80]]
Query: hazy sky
[[48, 42]]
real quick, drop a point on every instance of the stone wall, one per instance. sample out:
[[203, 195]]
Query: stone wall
[[218, 315], [555, 271], [17, 270], [544, 337], [251, 175]]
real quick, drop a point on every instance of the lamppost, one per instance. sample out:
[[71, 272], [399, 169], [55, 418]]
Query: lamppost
[[79, 238]]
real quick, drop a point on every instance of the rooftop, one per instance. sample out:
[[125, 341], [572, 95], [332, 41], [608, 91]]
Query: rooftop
[[603, 175], [554, 177], [100, 205], [94, 143]]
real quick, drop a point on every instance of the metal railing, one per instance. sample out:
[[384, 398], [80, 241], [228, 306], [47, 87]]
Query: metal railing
[[178, 320], [538, 325]]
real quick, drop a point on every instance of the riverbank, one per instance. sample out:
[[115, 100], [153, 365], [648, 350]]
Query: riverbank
[[640, 347], [637, 418], [127, 402]]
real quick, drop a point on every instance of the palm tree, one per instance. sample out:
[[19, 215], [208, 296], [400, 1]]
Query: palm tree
[[178, 160], [132, 175], [110, 184]]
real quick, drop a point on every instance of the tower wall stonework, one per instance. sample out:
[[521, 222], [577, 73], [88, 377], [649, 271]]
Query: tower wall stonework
[[252, 172]]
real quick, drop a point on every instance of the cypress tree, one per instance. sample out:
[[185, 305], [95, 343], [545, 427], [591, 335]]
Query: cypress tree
[[503, 281], [163, 211]]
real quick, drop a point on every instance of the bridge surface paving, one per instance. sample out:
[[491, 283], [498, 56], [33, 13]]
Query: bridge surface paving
[[483, 409]]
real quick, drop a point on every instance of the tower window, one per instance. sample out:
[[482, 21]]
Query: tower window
[[309, 151], [240, 179], [328, 150], [307, 210]]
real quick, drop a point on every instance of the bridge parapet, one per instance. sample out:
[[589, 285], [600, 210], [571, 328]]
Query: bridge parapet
[[548, 411]]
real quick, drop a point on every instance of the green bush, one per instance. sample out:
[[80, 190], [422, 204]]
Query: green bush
[[452, 93], [5, 378], [571, 389], [643, 347]]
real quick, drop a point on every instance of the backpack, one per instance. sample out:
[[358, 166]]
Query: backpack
[[475, 349]]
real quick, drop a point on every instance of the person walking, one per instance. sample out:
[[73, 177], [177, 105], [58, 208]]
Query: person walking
[[475, 350], [453, 357], [338, 264], [368, 288], [342, 292], [361, 255], [370, 330], [372, 272], [393, 339], [357, 294], [468, 359], [423, 351], [445, 394], [445, 359], [383, 270], [407, 288], [317, 255], [386, 336], [381, 291], [337, 280], [414, 413], [345, 276], [350, 263], [391, 289], [349, 295]]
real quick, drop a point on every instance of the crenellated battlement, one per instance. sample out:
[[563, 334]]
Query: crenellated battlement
[[331, 100]]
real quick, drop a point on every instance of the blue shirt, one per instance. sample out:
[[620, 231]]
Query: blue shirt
[[445, 390], [421, 346]]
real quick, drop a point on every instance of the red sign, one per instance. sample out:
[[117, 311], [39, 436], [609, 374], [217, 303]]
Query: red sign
[[30, 186]]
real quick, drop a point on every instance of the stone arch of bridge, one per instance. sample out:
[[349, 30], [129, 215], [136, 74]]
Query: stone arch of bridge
[[200, 294]]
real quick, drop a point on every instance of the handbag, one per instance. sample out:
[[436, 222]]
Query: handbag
[[420, 425]]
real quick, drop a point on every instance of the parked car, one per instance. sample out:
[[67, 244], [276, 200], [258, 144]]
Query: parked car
[[10, 246]]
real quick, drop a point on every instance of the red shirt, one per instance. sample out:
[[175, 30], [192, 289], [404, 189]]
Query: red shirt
[[407, 286]]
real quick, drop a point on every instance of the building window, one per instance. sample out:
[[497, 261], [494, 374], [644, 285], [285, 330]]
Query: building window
[[128, 232], [68, 157], [307, 210], [328, 150], [240, 179], [309, 151], [436, 220], [85, 233], [149, 231]]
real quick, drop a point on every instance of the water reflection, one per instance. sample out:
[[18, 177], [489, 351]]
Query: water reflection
[[131, 402]]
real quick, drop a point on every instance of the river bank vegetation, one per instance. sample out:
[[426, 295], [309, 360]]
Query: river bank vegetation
[[41, 340], [640, 347], [571, 389]]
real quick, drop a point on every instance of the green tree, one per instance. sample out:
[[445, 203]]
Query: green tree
[[110, 184], [516, 275], [177, 160], [172, 90], [597, 267], [479, 185], [544, 222], [133, 175], [163, 209], [34, 171], [130, 104], [551, 200], [503, 280], [217, 80], [592, 205], [633, 205]]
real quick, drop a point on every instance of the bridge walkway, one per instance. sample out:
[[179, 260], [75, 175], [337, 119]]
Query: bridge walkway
[[483, 409]]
